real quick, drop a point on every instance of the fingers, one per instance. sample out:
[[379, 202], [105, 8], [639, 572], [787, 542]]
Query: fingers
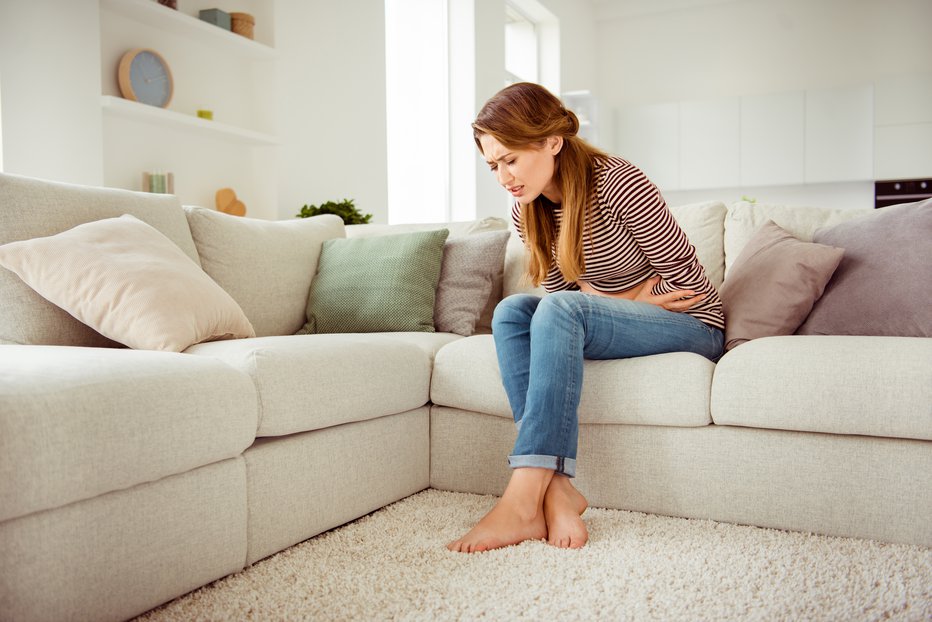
[[679, 303]]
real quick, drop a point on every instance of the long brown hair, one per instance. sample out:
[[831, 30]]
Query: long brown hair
[[523, 116]]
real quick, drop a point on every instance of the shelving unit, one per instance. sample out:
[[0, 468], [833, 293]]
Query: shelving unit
[[213, 69], [171, 20], [168, 118]]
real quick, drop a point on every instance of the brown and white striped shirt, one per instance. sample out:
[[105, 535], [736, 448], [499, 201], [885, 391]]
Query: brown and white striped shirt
[[633, 238]]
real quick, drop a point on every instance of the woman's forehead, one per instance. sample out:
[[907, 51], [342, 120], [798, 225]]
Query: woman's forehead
[[492, 148]]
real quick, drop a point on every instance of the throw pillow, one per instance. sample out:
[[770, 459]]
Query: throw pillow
[[128, 282], [744, 219], [882, 285], [266, 266], [470, 264], [379, 284], [773, 284], [35, 208]]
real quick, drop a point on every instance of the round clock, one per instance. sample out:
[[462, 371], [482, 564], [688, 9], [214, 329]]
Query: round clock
[[145, 77]]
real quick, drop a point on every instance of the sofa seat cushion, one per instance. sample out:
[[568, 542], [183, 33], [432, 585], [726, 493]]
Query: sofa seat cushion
[[79, 422], [875, 386], [665, 389], [310, 382]]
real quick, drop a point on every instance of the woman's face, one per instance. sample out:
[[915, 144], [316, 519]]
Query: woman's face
[[525, 173]]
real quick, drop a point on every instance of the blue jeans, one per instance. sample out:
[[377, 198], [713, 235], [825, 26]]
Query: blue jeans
[[541, 344]]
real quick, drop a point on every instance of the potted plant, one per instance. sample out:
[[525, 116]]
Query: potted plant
[[344, 209]]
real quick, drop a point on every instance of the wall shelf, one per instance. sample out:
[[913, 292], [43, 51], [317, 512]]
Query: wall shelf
[[125, 108], [173, 21]]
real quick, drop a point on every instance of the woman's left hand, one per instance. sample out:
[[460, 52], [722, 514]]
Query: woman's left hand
[[679, 300]]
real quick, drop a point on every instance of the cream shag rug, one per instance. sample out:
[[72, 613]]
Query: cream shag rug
[[392, 565]]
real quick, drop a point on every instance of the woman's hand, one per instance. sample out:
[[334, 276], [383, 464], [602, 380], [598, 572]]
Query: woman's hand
[[677, 301]]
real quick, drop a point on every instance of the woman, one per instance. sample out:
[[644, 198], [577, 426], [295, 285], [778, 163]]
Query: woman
[[625, 282]]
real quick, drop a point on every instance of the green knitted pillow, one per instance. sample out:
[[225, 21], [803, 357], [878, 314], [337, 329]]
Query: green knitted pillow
[[378, 284]]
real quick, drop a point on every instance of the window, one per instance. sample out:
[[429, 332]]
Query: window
[[521, 45], [417, 109]]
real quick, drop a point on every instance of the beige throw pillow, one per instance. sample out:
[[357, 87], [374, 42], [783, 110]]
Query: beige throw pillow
[[266, 266], [771, 287], [130, 283]]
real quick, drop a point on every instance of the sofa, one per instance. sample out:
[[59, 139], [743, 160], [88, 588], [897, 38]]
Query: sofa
[[130, 476]]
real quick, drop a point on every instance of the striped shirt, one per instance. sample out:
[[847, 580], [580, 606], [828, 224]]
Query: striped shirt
[[633, 238]]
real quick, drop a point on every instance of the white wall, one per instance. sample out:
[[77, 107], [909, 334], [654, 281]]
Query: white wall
[[332, 104], [747, 47], [49, 68], [713, 50], [579, 66]]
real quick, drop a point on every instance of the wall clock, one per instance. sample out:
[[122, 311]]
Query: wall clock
[[145, 77]]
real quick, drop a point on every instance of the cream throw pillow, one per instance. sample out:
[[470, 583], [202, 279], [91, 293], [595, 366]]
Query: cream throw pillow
[[130, 283]]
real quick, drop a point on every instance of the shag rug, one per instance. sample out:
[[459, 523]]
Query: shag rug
[[392, 565]]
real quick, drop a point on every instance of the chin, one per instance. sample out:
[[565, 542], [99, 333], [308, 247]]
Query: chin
[[527, 199]]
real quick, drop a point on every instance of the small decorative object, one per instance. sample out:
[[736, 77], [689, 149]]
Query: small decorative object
[[158, 182], [344, 209], [243, 24], [228, 203], [206, 114], [144, 76], [218, 18], [172, 4]]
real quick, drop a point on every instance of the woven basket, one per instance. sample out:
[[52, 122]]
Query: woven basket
[[242, 24]]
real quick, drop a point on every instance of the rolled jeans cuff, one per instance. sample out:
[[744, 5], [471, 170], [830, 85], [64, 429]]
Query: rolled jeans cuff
[[558, 464]]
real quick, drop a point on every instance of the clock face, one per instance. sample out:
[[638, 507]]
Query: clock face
[[145, 77]]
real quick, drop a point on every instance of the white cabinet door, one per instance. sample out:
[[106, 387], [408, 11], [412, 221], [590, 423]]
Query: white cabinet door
[[648, 137], [710, 143], [840, 134], [903, 151], [773, 139], [903, 126]]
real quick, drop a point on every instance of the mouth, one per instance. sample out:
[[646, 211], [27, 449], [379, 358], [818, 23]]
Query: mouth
[[516, 190]]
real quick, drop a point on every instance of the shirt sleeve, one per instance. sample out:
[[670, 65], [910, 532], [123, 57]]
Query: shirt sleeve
[[637, 204]]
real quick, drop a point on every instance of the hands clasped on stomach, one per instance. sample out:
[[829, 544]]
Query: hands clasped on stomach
[[678, 301]]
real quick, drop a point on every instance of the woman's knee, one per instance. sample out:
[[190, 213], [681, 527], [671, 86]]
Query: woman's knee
[[560, 306], [515, 308]]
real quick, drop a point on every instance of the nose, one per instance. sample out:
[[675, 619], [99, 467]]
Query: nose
[[504, 177]]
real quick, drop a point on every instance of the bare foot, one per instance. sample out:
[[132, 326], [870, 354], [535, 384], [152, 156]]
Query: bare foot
[[518, 515], [563, 508]]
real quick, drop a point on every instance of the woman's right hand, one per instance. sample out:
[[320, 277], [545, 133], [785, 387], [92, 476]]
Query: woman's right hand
[[678, 301]]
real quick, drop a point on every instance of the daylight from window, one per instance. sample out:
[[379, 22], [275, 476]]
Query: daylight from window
[[417, 111], [520, 47]]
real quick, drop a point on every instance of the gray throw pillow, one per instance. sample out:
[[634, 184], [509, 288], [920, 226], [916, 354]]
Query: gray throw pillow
[[470, 264], [882, 285], [386, 283], [773, 284]]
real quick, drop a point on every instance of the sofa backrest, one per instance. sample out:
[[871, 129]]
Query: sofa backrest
[[31, 208], [744, 219]]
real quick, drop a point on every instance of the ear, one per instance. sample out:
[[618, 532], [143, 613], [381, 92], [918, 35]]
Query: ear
[[554, 144]]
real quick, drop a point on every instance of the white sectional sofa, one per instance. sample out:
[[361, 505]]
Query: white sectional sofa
[[130, 477]]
